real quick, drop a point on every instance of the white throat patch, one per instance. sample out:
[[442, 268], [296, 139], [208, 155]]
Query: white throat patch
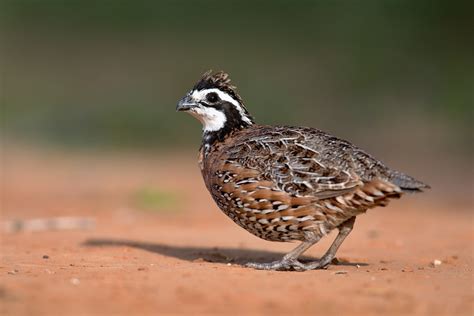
[[211, 119]]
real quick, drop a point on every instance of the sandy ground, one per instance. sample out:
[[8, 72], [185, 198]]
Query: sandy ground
[[184, 256]]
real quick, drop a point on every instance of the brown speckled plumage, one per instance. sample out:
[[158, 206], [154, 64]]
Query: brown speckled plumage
[[285, 183]]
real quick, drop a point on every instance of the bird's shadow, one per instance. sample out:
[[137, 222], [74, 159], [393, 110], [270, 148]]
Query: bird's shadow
[[209, 254]]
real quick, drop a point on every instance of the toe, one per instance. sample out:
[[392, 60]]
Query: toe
[[276, 265], [263, 266]]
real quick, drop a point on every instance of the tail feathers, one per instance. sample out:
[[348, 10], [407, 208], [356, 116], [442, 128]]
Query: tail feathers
[[407, 183]]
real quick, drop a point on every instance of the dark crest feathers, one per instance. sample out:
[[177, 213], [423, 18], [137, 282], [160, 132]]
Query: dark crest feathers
[[221, 81]]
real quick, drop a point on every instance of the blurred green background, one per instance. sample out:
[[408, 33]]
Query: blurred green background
[[389, 75]]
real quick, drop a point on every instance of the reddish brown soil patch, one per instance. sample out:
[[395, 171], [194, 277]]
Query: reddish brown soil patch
[[186, 257]]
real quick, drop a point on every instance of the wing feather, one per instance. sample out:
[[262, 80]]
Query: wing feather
[[297, 161]]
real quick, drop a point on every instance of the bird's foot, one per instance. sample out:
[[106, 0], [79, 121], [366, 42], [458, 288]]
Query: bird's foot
[[282, 265], [291, 265]]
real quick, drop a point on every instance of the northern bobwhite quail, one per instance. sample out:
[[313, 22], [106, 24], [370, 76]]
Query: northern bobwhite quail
[[284, 183]]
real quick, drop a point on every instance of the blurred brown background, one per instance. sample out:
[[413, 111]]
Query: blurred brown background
[[88, 129], [108, 73]]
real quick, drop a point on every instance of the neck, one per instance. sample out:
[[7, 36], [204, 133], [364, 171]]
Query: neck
[[210, 138], [234, 118]]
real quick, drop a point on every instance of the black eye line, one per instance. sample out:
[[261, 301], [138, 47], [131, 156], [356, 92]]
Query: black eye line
[[211, 105]]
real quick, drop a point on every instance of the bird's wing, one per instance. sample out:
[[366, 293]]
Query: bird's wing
[[299, 161]]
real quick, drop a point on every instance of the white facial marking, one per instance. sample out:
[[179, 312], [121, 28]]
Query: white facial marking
[[201, 95], [211, 119]]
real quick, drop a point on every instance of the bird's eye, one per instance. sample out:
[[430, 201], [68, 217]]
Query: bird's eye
[[212, 97]]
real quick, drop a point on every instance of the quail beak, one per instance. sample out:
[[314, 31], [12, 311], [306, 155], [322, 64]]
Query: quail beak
[[186, 103]]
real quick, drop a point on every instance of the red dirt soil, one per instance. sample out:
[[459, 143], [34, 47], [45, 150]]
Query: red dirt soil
[[186, 256]]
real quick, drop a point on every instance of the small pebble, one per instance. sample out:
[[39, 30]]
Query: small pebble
[[75, 281], [45, 257], [229, 264], [358, 266], [383, 269], [437, 262], [340, 272]]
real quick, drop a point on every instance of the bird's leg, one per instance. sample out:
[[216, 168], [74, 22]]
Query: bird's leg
[[290, 260], [344, 230]]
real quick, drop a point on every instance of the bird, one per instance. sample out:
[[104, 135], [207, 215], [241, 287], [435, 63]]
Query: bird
[[285, 183]]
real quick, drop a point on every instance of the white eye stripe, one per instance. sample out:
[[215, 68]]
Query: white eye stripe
[[201, 96]]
